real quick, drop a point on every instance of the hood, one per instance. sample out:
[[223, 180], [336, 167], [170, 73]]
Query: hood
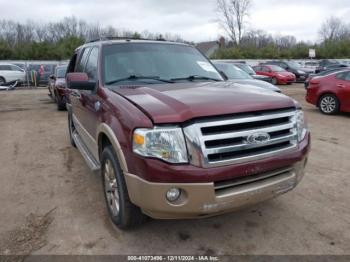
[[177, 103], [257, 83]]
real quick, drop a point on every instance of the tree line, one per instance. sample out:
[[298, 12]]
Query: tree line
[[334, 37], [57, 40]]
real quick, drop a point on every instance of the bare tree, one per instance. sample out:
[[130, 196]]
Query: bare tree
[[232, 17], [333, 29]]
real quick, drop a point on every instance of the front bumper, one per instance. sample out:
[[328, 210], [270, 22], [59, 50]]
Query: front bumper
[[207, 199]]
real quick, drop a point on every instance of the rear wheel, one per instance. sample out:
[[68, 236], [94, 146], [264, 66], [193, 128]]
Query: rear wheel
[[274, 81], [122, 212], [329, 104]]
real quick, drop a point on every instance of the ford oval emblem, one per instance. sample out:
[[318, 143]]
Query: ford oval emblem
[[258, 138]]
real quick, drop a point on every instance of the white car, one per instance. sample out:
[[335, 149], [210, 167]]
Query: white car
[[10, 73]]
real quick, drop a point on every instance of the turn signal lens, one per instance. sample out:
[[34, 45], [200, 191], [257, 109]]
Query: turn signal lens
[[139, 139]]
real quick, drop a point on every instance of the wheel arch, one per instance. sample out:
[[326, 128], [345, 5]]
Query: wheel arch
[[106, 136]]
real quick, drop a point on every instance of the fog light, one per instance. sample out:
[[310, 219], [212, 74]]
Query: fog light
[[173, 194]]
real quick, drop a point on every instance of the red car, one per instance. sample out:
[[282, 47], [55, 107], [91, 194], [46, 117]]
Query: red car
[[57, 87], [330, 93], [278, 74]]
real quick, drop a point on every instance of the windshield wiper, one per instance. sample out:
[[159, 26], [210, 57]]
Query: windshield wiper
[[195, 77], [138, 77]]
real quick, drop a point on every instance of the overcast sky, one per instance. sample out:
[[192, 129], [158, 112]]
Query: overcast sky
[[194, 20]]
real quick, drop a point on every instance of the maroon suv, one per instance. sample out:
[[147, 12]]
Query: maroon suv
[[172, 139], [57, 87]]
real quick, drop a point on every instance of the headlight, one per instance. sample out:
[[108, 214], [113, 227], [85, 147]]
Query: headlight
[[300, 125], [166, 143]]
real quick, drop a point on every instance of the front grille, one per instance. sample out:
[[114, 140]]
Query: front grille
[[228, 140]]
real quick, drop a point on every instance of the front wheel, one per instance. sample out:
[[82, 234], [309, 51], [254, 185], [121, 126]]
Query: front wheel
[[122, 212], [329, 104]]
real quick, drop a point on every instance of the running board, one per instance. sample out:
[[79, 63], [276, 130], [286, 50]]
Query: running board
[[92, 163]]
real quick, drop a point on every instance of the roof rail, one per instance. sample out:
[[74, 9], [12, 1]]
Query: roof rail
[[103, 38]]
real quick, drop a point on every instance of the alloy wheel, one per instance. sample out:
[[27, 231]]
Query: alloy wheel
[[328, 104], [111, 188]]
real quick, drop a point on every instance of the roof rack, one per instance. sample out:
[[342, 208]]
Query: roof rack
[[104, 38]]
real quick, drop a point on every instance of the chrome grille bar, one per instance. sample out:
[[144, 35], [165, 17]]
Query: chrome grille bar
[[224, 141]]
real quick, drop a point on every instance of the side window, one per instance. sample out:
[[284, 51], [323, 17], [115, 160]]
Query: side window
[[82, 61], [265, 69], [342, 75], [15, 68], [347, 76], [72, 63], [257, 68], [91, 65], [5, 68]]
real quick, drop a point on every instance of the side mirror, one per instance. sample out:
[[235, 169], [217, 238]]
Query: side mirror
[[79, 81]]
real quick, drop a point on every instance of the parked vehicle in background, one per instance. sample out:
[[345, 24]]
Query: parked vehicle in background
[[292, 67], [11, 73], [278, 74], [248, 69], [312, 65], [330, 93], [43, 72], [335, 66], [239, 76], [172, 139], [327, 64], [323, 73], [57, 87]]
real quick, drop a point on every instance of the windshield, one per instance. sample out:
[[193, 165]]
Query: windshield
[[61, 72], [275, 68], [246, 68], [232, 72], [294, 65], [148, 62]]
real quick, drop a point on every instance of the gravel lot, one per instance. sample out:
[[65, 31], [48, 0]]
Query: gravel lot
[[52, 204]]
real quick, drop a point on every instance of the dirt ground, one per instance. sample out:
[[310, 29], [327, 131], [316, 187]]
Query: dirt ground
[[50, 203]]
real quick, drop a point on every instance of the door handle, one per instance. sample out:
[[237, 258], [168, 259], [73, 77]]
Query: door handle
[[340, 85]]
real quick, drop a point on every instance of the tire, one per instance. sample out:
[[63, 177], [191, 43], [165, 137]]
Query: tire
[[274, 81], [329, 104], [123, 213], [71, 129], [61, 105], [2, 81]]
